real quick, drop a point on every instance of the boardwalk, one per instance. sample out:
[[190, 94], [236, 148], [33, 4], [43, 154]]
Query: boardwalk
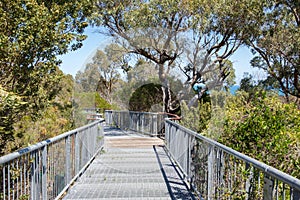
[[132, 166]]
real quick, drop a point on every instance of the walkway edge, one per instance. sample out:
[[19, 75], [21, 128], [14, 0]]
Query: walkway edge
[[67, 187]]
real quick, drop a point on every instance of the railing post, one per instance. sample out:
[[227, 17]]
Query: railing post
[[154, 122], [137, 121], [143, 120], [130, 121], [211, 171], [68, 164], [33, 176], [268, 187], [77, 154], [189, 158], [249, 179], [296, 194], [219, 173], [44, 172]]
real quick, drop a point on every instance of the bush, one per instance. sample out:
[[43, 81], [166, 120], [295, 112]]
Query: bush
[[265, 129]]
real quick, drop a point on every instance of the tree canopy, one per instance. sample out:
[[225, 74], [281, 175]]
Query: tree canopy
[[189, 35], [275, 40], [32, 34]]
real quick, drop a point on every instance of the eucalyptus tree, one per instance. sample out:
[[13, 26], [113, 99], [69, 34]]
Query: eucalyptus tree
[[102, 73], [32, 34], [276, 42], [149, 29], [161, 31]]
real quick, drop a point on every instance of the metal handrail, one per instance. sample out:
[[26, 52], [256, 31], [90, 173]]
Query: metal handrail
[[216, 157], [214, 170], [144, 122], [43, 170], [14, 155]]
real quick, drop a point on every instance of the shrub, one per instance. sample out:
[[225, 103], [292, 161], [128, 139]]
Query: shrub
[[265, 129]]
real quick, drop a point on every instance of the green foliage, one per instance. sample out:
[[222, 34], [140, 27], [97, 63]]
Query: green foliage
[[196, 118], [85, 100], [265, 129], [102, 103], [54, 120], [11, 106], [208, 117], [275, 42], [193, 36], [141, 73], [28, 131], [102, 74], [143, 98], [249, 86], [32, 34]]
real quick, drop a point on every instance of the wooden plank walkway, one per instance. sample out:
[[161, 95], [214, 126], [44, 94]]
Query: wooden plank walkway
[[132, 166]]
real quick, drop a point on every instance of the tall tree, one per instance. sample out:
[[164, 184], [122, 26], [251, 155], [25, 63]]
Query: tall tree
[[102, 73], [276, 41], [162, 30], [153, 35], [32, 34]]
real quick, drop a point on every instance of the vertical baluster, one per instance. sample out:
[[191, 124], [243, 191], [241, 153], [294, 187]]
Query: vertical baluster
[[228, 181], [210, 178], [18, 178], [28, 174], [230, 167], [44, 166], [3, 181], [38, 174], [283, 191], [296, 194], [77, 157], [32, 177], [276, 189], [155, 125], [249, 178], [13, 179], [49, 173], [268, 187], [258, 180], [222, 173], [8, 181], [189, 160], [52, 168], [21, 176], [67, 165]]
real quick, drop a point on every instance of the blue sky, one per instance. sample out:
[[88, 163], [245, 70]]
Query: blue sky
[[76, 60]]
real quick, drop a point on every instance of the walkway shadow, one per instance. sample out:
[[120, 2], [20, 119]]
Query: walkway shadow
[[113, 131], [173, 178]]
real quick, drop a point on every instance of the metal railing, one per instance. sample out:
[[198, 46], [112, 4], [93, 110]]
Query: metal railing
[[143, 122], [216, 171], [46, 169]]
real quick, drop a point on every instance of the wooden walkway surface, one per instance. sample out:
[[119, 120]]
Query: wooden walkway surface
[[132, 166]]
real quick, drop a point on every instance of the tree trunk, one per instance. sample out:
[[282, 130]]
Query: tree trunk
[[165, 88]]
